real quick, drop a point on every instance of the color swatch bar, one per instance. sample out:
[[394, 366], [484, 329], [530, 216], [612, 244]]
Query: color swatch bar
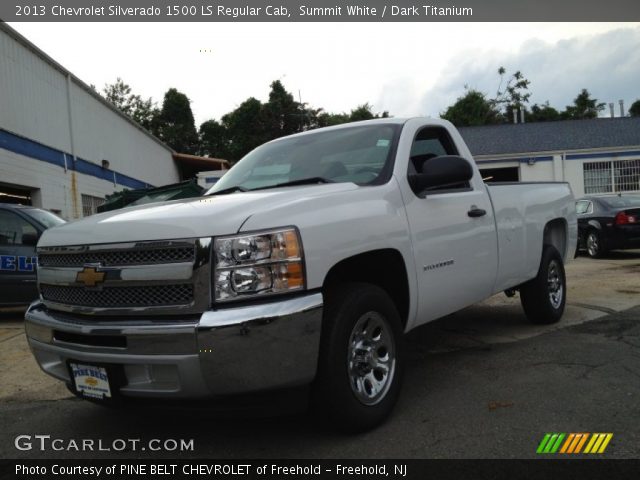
[[573, 443]]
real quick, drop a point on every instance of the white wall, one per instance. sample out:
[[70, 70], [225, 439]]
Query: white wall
[[574, 174], [44, 104], [538, 172], [100, 133], [57, 189], [33, 100]]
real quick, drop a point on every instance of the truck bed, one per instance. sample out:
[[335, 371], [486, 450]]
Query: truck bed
[[521, 212]]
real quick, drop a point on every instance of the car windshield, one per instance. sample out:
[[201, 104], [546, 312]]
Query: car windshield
[[623, 201], [47, 219], [354, 154]]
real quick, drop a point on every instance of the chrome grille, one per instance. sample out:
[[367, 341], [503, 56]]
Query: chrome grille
[[119, 297], [122, 257], [163, 277]]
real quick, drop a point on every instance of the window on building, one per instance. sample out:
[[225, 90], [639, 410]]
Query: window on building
[[90, 204], [612, 177], [497, 175]]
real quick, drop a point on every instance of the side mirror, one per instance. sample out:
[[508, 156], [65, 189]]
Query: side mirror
[[442, 171], [30, 239]]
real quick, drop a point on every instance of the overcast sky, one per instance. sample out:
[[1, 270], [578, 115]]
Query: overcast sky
[[406, 68]]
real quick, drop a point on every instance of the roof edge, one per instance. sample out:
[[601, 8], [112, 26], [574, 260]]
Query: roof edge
[[21, 39]]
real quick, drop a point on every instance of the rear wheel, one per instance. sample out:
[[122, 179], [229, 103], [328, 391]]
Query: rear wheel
[[361, 357], [594, 244], [543, 298]]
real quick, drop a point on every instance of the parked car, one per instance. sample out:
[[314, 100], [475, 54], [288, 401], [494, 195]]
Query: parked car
[[304, 265], [608, 223], [20, 229]]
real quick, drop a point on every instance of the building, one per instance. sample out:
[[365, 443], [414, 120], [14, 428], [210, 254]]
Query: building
[[63, 147], [597, 156]]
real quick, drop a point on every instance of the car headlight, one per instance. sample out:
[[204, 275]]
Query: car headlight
[[258, 264]]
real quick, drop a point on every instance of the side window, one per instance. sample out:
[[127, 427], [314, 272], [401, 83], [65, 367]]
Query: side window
[[432, 142], [13, 228], [583, 207]]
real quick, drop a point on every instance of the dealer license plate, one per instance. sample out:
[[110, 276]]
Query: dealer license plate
[[90, 380]]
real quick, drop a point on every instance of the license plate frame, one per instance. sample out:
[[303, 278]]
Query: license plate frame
[[109, 386]]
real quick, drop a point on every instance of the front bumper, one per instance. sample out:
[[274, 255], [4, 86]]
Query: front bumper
[[227, 351]]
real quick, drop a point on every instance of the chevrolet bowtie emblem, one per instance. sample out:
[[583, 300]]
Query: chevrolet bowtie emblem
[[90, 276]]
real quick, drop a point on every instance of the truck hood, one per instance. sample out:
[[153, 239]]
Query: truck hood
[[198, 217]]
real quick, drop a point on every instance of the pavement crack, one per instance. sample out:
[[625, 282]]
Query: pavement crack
[[12, 336], [589, 367], [593, 307]]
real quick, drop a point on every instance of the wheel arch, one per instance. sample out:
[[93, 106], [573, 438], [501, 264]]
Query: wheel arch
[[385, 268], [594, 224], [556, 234]]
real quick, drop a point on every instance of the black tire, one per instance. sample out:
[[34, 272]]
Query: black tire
[[594, 244], [345, 357], [542, 300]]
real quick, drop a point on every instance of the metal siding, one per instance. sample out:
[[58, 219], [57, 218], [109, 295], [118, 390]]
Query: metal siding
[[33, 96], [100, 133], [33, 104]]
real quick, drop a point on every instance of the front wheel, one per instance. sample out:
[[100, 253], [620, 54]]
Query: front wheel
[[543, 298], [361, 357]]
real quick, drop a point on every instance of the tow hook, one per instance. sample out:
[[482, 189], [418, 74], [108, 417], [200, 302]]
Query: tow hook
[[510, 292]]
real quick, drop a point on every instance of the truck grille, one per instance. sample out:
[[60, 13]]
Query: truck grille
[[161, 277], [124, 257], [119, 297]]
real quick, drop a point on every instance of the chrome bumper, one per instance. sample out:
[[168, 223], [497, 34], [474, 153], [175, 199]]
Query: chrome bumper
[[226, 351]]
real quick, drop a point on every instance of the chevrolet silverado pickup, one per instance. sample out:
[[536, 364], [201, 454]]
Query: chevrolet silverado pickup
[[304, 265]]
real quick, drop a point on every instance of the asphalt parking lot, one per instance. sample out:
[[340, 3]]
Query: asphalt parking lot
[[479, 384]]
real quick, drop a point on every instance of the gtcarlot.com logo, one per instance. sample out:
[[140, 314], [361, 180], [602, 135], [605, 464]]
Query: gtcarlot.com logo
[[46, 442], [574, 443]]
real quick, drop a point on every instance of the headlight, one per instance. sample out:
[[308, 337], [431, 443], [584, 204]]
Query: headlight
[[258, 264]]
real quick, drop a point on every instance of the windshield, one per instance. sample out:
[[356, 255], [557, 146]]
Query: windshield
[[622, 201], [47, 219], [355, 154]]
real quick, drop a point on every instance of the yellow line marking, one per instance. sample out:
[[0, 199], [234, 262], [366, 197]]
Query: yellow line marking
[[590, 444], [607, 439], [596, 445]]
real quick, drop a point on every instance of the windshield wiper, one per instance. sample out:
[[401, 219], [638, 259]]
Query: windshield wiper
[[235, 188], [300, 181]]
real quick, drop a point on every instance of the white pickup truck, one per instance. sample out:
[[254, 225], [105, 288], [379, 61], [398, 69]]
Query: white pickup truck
[[304, 265]]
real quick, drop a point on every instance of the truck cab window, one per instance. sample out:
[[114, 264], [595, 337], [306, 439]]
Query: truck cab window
[[432, 142]]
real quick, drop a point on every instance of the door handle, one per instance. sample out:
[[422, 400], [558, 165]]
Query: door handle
[[476, 212]]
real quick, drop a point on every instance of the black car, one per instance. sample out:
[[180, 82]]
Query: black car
[[608, 223], [20, 229]]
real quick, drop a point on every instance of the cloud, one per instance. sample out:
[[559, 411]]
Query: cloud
[[606, 64]]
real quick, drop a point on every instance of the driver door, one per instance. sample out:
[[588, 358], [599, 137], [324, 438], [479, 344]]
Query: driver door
[[455, 248]]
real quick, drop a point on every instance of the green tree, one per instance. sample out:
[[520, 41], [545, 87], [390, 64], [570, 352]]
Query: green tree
[[472, 109], [282, 113], [361, 112], [543, 113], [583, 107], [513, 94], [246, 128], [327, 119], [175, 124], [365, 112], [213, 140], [634, 109], [143, 111]]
